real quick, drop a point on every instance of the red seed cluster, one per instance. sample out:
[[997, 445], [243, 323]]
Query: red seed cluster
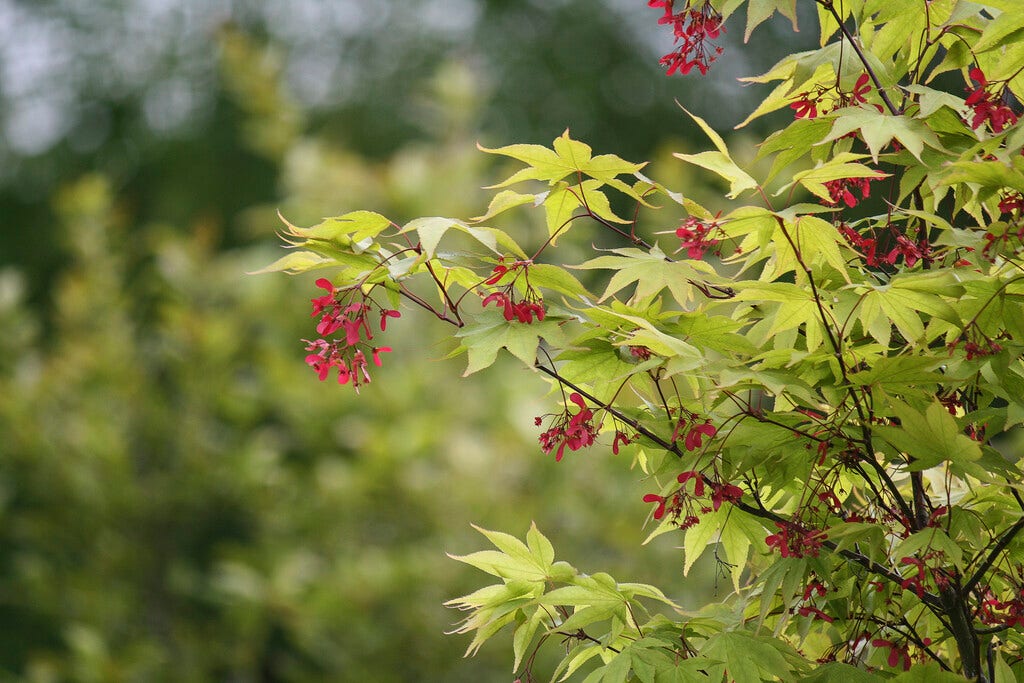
[[684, 507], [345, 310], [840, 190], [569, 430], [694, 26], [987, 105], [698, 237], [518, 300]]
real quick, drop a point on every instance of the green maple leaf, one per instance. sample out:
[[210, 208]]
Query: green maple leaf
[[752, 658], [758, 11], [567, 157], [878, 129], [929, 438], [651, 273], [296, 262], [484, 337]]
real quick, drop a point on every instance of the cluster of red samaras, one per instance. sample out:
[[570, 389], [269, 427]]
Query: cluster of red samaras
[[988, 105], [569, 430], [697, 237], [574, 430], [346, 311], [522, 308], [693, 27], [684, 507], [839, 190], [1011, 206], [985, 102], [811, 104], [910, 251]]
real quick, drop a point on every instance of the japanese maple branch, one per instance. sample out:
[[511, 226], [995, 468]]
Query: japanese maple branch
[[993, 555], [749, 411], [580, 634], [913, 635], [444, 292], [886, 479], [403, 291], [867, 563], [668, 446], [838, 350], [1016, 496], [825, 322], [862, 560], [874, 489]]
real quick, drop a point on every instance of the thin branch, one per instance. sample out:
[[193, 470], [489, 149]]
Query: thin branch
[[825, 322], [583, 635], [829, 5], [869, 564], [929, 599], [993, 555], [1016, 496], [889, 484], [444, 292], [917, 640], [671, 447], [403, 291], [838, 350]]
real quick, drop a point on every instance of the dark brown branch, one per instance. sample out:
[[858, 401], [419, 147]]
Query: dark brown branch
[[929, 599], [993, 555], [668, 446], [427, 307]]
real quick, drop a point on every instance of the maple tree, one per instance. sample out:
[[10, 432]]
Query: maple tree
[[824, 382]]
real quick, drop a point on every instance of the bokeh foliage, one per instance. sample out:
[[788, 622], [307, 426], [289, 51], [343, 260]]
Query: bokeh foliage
[[184, 501], [170, 101]]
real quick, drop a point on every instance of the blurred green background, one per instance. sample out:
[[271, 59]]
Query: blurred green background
[[180, 498]]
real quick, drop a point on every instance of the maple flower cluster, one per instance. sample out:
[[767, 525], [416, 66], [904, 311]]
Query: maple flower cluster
[[1008, 613], [1011, 205], [695, 430], [911, 251], [920, 572], [866, 245], [697, 237], [840, 190], [987, 105], [810, 104], [795, 541], [568, 430], [693, 27], [808, 609], [344, 310], [899, 652], [522, 308], [974, 349], [684, 507]]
